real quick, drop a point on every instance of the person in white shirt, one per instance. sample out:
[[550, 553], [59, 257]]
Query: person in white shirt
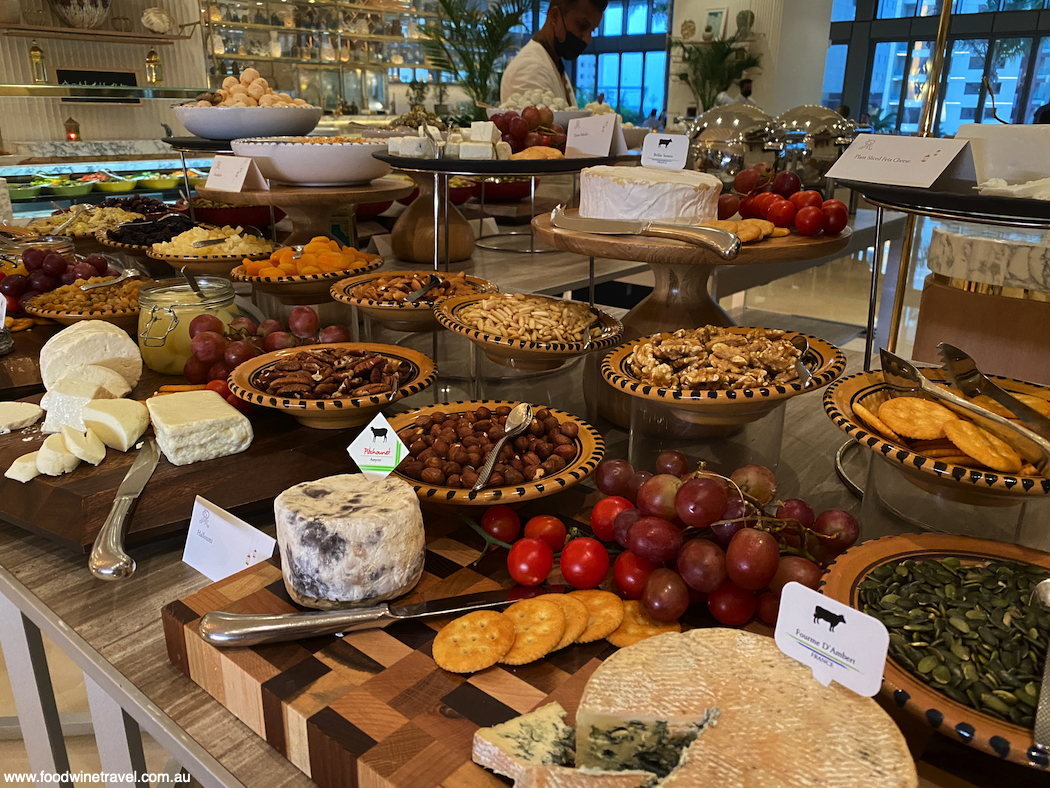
[[724, 98], [539, 65]]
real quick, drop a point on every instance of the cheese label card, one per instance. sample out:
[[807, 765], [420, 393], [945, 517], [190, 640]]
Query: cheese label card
[[907, 161], [667, 151], [836, 641], [234, 174], [598, 135], [377, 450], [219, 544], [3, 310]]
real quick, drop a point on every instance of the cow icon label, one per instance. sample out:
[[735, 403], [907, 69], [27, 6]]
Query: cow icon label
[[377, 450], [836, 642], [665, 151]]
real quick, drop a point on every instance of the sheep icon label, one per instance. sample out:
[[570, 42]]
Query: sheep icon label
[[377, 450], [836, 642], [665, 151]]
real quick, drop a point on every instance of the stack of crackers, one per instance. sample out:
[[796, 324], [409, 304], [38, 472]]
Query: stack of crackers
[[949, 434], [748, 230], [533, 628]]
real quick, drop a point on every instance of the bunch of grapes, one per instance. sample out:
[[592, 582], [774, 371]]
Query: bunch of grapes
[[699, 537], [47, 271], [535, 126]]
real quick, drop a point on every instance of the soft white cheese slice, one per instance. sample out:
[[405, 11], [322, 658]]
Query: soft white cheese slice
[[111, 381], [86, 446], [54, 459], [18, 415], [193, 426], [452, 149], [24, 468], [503, 150], [90, 342], [476, 150], [118, 423], [65, 402], [485, 131]]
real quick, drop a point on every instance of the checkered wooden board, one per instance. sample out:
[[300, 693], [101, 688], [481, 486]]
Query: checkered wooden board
[[372, 708]]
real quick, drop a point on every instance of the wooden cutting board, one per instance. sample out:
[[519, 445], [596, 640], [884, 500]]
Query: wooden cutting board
[[20, 369]]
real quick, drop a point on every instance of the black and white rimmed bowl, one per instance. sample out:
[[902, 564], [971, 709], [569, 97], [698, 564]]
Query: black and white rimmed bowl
[[336, 413], [520, 353], [294, 161], [302, 288]]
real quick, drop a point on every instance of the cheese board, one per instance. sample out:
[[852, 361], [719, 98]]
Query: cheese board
[[20, 369]]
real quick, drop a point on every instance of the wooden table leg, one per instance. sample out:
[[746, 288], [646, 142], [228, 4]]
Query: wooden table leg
[[680, 299]]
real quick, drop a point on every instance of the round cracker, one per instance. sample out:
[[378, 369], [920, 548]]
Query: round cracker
[[764, 226], [637, 625], [538, 628], [604, 614], [720, 224], [1036, 403], [915, 418], [576, 617], [983, 446], [473, 642], [873, 421]]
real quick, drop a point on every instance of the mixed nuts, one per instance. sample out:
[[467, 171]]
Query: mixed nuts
[[331, 373]]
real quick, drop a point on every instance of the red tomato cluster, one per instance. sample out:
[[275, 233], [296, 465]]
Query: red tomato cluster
[[781, 200]]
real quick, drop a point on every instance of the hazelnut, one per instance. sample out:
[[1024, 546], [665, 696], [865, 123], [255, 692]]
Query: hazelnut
[[467, 479], [440, 447], [566, 451], [461, 456], [438, 417], [513, 477], [560, 440], [542, 414], [417, 447], [570, 429], [521, 443], [483, 412], [454, 481], [432, 476], [423, 456], [451, 469], [533, 472], [411, 469], [423, 421], [434, 462], [496, 480], [503, 410]]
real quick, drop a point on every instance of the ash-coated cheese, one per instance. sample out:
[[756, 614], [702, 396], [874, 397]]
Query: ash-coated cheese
[[193, 426], [24, 468], [18, 415], [118, 423], [349, 541], [90, 342], [648, 194], [539, 737], [65, 402]]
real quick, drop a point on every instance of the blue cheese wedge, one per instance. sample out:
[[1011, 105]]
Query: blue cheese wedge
[[564, 777], [537, 738], [193, 426], [349, 541]]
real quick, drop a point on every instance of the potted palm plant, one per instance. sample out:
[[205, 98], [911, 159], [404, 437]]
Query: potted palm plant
[[469, 38], [709, 67]]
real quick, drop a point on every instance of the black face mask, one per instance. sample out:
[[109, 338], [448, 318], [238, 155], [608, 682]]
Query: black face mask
[[570, 47]]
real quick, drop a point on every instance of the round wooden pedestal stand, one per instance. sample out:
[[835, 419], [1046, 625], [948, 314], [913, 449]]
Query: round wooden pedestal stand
[[680, 298], [311, 207], [412, 237]]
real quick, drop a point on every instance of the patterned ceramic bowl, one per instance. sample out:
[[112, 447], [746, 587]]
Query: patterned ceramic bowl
[[305, 289], [127, 319], [205, 264]]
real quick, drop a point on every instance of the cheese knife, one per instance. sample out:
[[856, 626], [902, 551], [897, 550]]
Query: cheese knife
[[108, 560], [250, 629], [723, 242]]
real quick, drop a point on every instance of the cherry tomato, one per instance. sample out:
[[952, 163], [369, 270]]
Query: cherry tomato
[[804, 198], [501, 522], [603, 514], [781, 213], [220, 387], [242, 405], [12, 305], [810, 220], [530, 561], [584, 562], [746, 207], [548, 529], [731, 605], [839, 203], [835, 219], [762, 202], [630, 573]]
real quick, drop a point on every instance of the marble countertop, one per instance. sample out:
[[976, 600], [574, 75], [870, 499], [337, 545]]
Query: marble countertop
[[1010, 260]]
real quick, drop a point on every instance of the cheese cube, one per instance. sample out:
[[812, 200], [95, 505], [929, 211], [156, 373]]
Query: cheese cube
[[54, 459], [435, 132], [393, 146], [66, 400], [417, 147], [452, 150], [503, 150], [475, 150], [90, 342], [457, 137], [192, 426], [111, 381], [24, 468], [118, 423], [17, 415], [484, 131], [85, 446]]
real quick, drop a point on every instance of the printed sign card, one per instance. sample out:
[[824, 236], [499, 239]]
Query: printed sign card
[[235, 174], [219, 544], [667, 151], [598, 135], [836, 641], [921, 162], [377, 450]]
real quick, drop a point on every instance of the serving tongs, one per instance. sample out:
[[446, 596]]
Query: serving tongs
[[248, 229], [905, 377], [802, 345]]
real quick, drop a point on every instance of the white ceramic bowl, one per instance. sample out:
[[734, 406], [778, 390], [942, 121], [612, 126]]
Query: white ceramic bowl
[[227, 123], [289, 160], [561, 116]]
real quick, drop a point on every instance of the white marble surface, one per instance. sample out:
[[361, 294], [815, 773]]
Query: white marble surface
[[1006, 262], [67, 149]]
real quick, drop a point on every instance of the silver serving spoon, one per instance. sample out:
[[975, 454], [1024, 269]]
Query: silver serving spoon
[[517, 422], [73, 216], [192, 280], [433, 280], [128, 273], [804, 375]]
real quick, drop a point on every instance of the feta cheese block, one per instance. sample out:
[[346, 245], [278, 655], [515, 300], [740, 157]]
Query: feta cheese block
[[485, 131], [24, 468], [54, 459], [90, 342], [111, 381], [452, 149], [539, 737], [648, 194], [193, 426], [65, 403], [87, 447], [739, 688], [349, 541], [393, 146], [417, 147], [118, 423], [476, 150], [18, 415], [564, 777]]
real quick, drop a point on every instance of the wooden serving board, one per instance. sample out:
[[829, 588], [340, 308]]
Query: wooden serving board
[[20, 369]]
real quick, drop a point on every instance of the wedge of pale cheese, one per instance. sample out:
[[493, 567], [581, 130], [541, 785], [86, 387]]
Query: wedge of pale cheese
[[65, 403], [18, 415], [24, 468], [539, 737], [86, 446], [565, 777], [87, 343], [111, 381], [54, 459], [118, 423], [193, 426]]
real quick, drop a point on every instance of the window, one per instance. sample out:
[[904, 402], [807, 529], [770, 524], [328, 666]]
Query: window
[[843, 10], [637, 17], [658, 20], [895, 9], [586, 79], [887, 78], [612, 20], [1040, 95], [1006, 76], [962, 89], [834, 71], [655, 82]]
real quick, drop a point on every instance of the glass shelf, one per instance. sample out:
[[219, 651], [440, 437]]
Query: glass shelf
[[297, 61], [101, 91], [348, 34], [351, 7]]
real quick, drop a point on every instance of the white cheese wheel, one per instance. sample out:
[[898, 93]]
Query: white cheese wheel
[[117, 422], [90, 342], [110, 380], [85, 446], [349, 541], [54, 459], [24, 468], [18, 415], [648, 194]]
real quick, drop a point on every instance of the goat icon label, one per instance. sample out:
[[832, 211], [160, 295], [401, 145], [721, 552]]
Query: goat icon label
[[377, 449], [820, 614]]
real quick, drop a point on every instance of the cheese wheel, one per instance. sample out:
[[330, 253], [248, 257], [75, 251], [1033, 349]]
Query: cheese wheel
[[90, 342], [648, 194]]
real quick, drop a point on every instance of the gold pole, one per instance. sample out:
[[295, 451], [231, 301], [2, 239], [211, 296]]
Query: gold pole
[[929, 110]]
